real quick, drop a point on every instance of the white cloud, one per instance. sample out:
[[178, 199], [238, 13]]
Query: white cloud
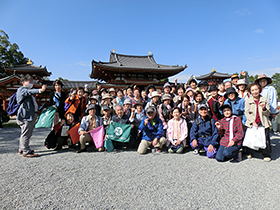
[[259, 31], [82, 63], [242, 12], [269, 72]]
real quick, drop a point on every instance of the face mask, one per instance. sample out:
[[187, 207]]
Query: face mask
[[30, 85]]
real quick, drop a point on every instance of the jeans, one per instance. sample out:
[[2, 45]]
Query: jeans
[[226, 153], [208, 154]]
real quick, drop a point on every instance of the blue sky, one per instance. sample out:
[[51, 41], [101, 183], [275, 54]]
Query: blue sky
[[65, 36]]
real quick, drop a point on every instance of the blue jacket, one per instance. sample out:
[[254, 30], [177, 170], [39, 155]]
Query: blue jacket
[[85, 122], [149, 131], [26, 110], [205, 133], [270, 93], [238, 108]]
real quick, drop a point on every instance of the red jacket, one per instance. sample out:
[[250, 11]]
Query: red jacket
[[75, 104]]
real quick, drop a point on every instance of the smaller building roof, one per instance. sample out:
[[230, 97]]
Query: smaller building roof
[[214, 74], [28, 68], [75, 84]]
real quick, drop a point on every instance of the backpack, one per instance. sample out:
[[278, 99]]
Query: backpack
[[51, 140], [13, 105]]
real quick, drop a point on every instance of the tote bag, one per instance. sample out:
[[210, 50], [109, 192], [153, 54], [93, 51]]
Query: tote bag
[[255, 138]]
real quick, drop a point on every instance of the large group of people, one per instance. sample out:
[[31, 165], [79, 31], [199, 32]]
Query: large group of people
[[211, 119]]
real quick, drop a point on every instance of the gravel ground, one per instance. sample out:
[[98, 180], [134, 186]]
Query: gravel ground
[[127, 180]]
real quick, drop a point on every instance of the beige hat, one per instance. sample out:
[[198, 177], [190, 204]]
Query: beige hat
[[154, 94], [263, 76], [166, 97], [107, 96], [241, 82]]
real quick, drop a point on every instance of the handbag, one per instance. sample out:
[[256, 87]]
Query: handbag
[[255, 138]]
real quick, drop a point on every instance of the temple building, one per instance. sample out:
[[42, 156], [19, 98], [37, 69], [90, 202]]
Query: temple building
[[214, 77], [123, 70]]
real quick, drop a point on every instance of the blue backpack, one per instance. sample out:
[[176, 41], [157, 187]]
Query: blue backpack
[[13, 106]]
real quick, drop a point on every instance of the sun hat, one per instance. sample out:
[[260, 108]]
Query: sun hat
[[139, 103], [127, 101], [241, 82], [263, 76], [154, 94], [151, 109], [200, 106], [107, 96], [213, 88], [234, 76], [166, 97], [111, 90], [94, 97]]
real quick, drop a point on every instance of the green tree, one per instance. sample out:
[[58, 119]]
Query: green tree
[[276, 82], [253, 78], [61, 79], [9, 54]]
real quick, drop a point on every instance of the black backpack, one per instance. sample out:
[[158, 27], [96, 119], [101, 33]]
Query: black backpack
[[51, 140]]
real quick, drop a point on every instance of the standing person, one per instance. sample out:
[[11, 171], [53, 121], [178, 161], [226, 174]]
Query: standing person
[[151, 88], [180, 90], [198, 100], [214, 104], [257, 111], [27, 114], [228, 84], [203, 85], [242, 92], [164, 110], [177, 132], [230, 129], [136, 93], [112, 92], [269, 92], [190, 92], [221, 88], [57, 98], [77, 103], [120, 97], [154, 102], [192, 84]]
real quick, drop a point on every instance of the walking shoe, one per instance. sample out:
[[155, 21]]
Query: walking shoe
[[20, 152], [81, 150], [266, 159], [249, 156], [195, 151], [30, 155], [101, 149], [158, 150]]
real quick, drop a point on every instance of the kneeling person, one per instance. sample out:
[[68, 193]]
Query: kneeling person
[[204, 133], [230, 128], [152, 129], [88, 123]]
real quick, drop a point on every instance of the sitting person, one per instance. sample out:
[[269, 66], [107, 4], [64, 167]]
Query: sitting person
[[63, 140], [122, 118], [257, 111], [88, 123], [177, 132], [230, 129], [204, 133], [152, 130], [77, 104]]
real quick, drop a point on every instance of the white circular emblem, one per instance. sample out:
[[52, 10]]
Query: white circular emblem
[[118, 131]]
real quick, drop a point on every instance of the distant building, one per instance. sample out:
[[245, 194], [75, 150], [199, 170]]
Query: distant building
[[124, 70], [214, 77]]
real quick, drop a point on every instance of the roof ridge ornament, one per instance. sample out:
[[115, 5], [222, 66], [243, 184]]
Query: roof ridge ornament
[[213, 70], [29, 61]]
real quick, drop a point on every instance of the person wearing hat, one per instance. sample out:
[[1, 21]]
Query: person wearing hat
[[198, 100], [127, 105], [167, 89], [257, 111], [235, 78], [155, 102], [94, 100], [204, 133], [112, 92], [190, 92], [214, 103], [88, 123], [164, 110], [242, 92], [150, 89], [231, 131], [106, 118], [152, 129], [192, 84], [269, 92], [107, 100], [203, 86], [237, 104]]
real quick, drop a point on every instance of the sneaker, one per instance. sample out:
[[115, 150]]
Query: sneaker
[[276, 133], [195, 151], [267, 159], [158, 150], [249, 156], [201, 150]]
